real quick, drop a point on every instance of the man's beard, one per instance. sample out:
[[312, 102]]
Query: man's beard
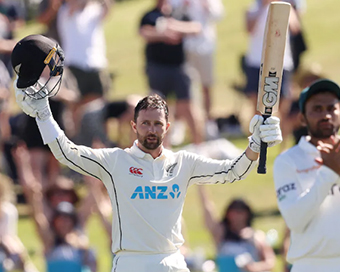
[[149, 145], [322, 133]]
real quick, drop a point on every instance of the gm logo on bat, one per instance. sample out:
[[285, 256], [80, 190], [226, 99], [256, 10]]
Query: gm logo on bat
[[156, 192], [271, 86]]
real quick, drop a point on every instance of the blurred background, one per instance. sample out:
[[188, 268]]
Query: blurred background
[[230, 112]]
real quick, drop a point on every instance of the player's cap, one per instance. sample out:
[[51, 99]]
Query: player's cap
[[29, 58], [321, 85]]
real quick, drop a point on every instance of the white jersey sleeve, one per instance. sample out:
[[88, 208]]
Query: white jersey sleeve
[[82, 159], [298, 202], [209, 171]]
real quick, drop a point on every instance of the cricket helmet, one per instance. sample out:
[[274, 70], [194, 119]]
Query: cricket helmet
[[29, 58]]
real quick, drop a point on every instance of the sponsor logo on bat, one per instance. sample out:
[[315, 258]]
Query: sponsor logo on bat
[[271, 89]]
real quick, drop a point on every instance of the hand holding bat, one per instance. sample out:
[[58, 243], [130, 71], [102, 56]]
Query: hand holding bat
[[274, 43], [267, 131]]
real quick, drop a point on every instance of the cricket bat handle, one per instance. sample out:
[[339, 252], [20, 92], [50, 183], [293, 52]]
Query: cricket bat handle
[[262, 169]]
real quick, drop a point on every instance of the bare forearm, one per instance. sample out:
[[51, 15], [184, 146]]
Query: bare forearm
[[251, 155], [151, 35], [50, 14], [185, 28], [267, 265]]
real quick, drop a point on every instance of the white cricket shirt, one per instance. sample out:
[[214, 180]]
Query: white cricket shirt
[[309, 200], [147, 194], [82, 36]]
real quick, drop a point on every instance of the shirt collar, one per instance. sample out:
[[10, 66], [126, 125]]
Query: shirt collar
[[307, 146], [135, 150]]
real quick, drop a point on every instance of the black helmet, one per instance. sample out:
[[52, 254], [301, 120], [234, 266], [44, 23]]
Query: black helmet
[[30, 57]]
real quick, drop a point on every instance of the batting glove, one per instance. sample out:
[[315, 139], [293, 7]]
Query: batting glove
[[36, 108], [268, 132]]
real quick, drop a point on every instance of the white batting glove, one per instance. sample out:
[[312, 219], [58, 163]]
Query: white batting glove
[[269, 132], [36, 108]]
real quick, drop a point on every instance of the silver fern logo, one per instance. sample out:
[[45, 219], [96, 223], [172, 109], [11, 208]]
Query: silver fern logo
[[170, 169]]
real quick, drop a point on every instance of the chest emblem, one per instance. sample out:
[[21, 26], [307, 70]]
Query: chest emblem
[[170, 169]]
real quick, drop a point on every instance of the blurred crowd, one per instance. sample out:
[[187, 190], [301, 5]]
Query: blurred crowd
[[180, 49]]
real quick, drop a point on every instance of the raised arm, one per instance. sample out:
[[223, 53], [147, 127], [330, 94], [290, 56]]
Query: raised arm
[[151, 34], [213, 225], [48, 11], [97, 200], [266, 254], [85, 160], [217, 171], [33, 194], [168, 30]]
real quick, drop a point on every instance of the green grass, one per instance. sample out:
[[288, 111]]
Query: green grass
[[125, 52]]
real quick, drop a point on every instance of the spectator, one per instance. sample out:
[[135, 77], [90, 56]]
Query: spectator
[[200, 48], [165, 60], [95, 116], [13, 254], [80, 26], [58, 224], [47, 15], [237, 243], [11, 18], [61, 190], [297, 39]]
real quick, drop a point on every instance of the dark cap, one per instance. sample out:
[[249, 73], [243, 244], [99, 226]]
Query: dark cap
[[321, 85], [28, 58]]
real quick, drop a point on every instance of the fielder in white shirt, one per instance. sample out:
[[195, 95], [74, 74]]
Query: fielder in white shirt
[[147, 183], [307, 183]]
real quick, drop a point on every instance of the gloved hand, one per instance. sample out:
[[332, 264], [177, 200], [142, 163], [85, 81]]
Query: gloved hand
[[269, 132], [37, 108]]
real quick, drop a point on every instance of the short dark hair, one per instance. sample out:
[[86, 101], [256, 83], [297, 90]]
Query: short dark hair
[[151, 102]]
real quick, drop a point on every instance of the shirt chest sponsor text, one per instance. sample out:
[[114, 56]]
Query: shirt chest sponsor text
[[156, 192]]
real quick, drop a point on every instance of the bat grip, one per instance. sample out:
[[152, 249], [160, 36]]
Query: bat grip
[[262, 169]]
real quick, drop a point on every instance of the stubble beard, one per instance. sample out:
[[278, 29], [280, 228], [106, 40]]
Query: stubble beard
[[148, 145], [322, 133]]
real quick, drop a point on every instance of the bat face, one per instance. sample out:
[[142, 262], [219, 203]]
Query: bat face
[[273, 49], [274, 43]]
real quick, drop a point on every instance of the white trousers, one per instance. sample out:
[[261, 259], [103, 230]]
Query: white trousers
[[130, 262]]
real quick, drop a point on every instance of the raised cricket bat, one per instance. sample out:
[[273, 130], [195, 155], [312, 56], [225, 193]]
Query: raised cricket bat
[[273, 49]]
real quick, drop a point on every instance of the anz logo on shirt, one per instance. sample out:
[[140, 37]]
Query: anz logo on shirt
[[156, 192]]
